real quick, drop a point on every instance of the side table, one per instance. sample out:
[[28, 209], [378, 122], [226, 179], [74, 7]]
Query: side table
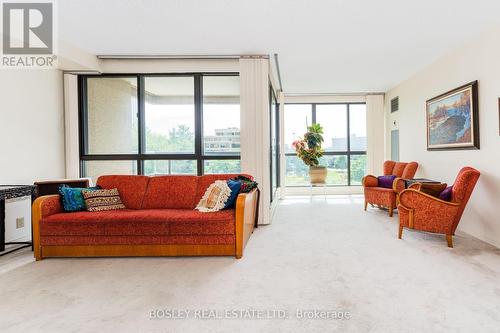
[[10, 192]]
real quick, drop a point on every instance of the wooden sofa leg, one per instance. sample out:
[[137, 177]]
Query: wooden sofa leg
[[400, 233], [37, 253], [449, 239], [391, 211], [366, 204]]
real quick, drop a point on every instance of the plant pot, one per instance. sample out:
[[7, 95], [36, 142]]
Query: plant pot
[[317, 174]]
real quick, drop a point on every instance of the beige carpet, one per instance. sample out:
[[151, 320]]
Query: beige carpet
[[320, 254]]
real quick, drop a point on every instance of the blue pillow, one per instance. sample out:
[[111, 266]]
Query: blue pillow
[[72, 198], [235, 187]]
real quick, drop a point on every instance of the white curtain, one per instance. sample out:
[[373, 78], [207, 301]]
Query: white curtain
[[375, 133], [254, 101], [71, 126]]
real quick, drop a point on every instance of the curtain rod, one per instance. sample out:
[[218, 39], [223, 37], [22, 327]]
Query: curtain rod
[[180, 57], [333, 94]]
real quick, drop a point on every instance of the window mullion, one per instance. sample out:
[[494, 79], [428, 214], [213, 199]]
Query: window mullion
[[198, 122], [348, 146], [141, 121]]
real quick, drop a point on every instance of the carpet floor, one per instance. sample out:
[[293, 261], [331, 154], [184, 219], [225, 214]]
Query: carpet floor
[[324, 265]]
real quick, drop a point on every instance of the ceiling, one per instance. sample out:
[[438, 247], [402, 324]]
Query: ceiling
[[324, 46]]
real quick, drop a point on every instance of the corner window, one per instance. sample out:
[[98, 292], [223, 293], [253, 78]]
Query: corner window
[[344, 126]]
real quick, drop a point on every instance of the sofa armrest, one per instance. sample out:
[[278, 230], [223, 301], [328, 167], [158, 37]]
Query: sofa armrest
[[246, 213], [42, 207], [369, 181]]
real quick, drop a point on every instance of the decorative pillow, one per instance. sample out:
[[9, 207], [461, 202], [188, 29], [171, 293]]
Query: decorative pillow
[[101, 200], [386, 181], [446, 194], [235, 187], [215, 197], [247, 184], [72, 198]]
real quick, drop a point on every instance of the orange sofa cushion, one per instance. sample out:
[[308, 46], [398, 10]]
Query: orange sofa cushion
[[171, 192], [131, 188], [129, 222]]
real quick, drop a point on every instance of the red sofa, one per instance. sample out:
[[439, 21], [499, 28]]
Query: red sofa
[[159, 220]]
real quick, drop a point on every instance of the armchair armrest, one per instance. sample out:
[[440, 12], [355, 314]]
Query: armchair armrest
[[246, 213], [369, 181], [42, 207], [415, 186], [426, 209], [398, 185]]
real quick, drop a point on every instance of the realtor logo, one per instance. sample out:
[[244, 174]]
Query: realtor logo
[[28, 34]]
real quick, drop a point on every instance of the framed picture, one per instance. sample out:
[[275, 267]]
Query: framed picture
[[453, 119]]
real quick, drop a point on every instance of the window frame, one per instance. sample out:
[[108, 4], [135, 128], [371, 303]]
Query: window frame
[[274, 163], [348, 153], [141, 154]]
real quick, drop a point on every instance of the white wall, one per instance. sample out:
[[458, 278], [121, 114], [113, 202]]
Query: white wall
[[476, 60], [31, 135]]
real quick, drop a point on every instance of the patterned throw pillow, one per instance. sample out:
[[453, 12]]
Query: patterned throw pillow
[[215, 197], [72, 198], [100, 200]]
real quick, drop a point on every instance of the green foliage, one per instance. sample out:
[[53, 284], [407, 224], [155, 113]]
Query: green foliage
[[309, 148], [179, 140]]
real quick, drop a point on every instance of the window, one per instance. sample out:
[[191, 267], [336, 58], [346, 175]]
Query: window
[[297, 118], [344, 127], [159, 124], [221, 115], [112, 100], [169, 114]]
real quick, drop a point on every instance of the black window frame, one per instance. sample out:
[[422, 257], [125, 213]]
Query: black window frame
[[141, 155], [348, 153], [274, 162]]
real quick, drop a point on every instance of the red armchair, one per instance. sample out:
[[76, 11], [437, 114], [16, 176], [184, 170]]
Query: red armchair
[[423, 212], [387, 197]]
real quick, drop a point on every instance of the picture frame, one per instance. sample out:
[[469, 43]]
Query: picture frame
[[452, 119]]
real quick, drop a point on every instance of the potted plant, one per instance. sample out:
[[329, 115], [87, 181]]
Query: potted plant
[[309, 150]]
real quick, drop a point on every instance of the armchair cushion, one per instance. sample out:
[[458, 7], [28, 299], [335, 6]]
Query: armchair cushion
[[400, 169], [386, 181]]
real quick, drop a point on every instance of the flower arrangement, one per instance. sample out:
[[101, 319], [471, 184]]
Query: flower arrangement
[[309, 149]]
